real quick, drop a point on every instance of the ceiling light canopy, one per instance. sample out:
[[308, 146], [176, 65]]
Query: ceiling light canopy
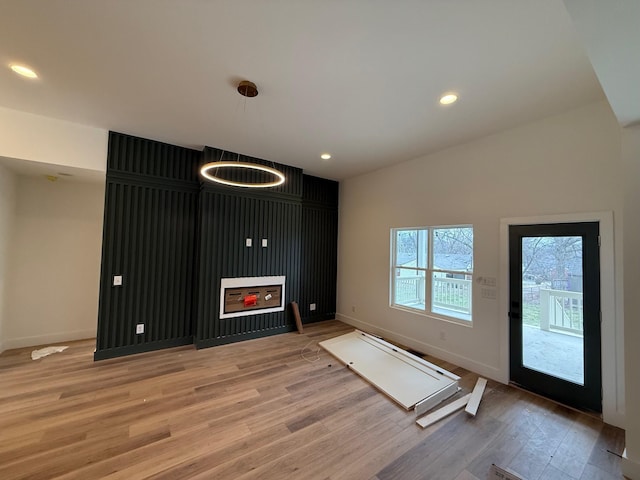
[[23, 70], [247, 89], [210, 171], [325, 156], [448, 98]]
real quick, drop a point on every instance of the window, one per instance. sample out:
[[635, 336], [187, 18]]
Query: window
[[432, 270]]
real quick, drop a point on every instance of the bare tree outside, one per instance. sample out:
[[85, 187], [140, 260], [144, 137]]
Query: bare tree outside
[[550, 263]]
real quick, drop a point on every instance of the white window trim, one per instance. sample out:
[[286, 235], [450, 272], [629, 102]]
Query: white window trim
[[428, 273]]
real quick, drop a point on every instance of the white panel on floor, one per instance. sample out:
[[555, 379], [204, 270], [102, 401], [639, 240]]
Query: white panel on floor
[[405, 378]]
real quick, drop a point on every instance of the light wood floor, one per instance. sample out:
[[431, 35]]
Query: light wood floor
[[257, 410]]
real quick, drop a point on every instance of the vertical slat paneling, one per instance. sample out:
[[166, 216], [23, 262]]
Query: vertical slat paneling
[[320, 191], [154, 239], [173, 240], [227, 220], [319, 250], [229, 216], [149, 238], [151, 159]]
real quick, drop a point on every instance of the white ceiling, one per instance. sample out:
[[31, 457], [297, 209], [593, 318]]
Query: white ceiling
[[357, 78], [62, 174], [610, 32]]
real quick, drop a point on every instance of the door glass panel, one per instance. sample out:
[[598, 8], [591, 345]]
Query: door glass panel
[[552, 307]]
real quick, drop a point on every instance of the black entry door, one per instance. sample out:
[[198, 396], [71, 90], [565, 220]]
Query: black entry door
[[554, 276]]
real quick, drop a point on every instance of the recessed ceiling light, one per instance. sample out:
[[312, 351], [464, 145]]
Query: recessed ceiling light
[[325, 156], [24, 71], [448, 98]]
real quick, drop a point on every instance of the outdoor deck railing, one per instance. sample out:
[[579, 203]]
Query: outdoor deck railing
[[561, 310], [448, 293], [409, 290], [452, 294]]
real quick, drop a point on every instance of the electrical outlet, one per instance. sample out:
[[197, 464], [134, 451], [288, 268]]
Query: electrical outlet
[[353, 308], [117, 280], [248, 242], [265, 242], [312, 307], [489, 293], [139, 328]]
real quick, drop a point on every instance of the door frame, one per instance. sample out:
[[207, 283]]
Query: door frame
[[587, 395], [612, 332]]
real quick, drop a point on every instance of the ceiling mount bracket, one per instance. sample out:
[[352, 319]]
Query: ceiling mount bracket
[[247, 89]]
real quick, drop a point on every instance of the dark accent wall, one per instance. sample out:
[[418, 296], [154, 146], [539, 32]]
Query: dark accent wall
[[319, 256], [229, 216], [149, 238], [227, 220], [174, 237]]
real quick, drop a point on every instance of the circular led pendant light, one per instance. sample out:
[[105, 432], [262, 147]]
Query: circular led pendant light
[[23, 70], [207, 168], [448, 98], [210, 170]]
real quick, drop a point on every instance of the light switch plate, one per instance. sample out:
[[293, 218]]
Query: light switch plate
[[312, 307], [248, 242], [264, 242], [117, 280], [489, 281], [140, 328]]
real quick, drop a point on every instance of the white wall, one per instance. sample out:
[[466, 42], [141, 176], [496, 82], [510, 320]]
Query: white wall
[[53, 275], [569, 163], [41, 139], [7, 215], [631, 158]]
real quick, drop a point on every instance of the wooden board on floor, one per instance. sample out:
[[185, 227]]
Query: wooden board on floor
[[443, 412], [476, 396], [296, 316], [497, 473], [403, 377], [429, 403]]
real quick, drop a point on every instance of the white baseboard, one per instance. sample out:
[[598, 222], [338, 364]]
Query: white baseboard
[[459, 360], [48, 339], [630, 468]]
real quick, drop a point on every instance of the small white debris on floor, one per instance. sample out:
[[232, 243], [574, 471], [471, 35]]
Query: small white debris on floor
[[43, 352]]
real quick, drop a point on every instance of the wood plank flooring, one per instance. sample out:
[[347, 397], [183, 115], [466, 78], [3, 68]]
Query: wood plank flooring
[[258, 410]]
